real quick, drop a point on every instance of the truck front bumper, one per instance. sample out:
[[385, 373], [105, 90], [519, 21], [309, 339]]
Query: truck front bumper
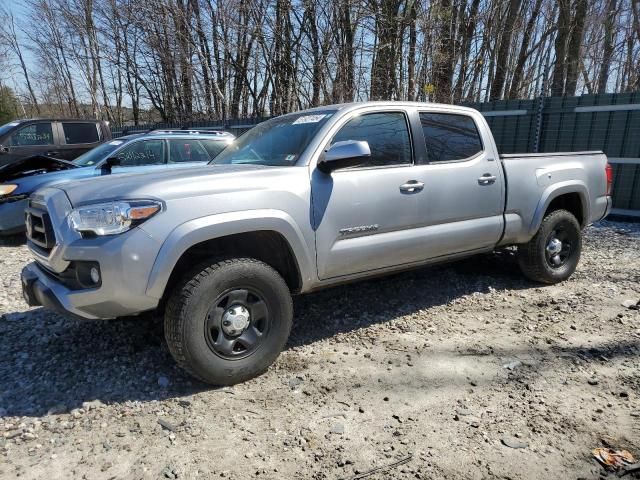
[[38, 292], [41, 288]]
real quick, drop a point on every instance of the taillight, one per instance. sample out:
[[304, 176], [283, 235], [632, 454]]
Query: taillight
[[609, 171]]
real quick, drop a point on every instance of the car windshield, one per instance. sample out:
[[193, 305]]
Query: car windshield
[[7, 126], [96, 155], [276, 142]]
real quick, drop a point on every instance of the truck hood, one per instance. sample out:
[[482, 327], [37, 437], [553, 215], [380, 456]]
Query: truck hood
[[165, 184], [35, 165]]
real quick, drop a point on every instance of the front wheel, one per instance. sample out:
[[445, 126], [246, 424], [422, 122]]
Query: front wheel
[[552, 255], [228, 321]]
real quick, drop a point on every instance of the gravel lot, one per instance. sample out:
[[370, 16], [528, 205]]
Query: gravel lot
[[445, 365]]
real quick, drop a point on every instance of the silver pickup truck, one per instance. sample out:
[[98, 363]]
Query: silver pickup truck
[[302, 202]]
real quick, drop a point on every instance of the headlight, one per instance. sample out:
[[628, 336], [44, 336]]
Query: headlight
[[7, 189], [113, 217]]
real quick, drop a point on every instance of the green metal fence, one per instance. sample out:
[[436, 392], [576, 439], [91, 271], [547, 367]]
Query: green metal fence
[[609, 122]]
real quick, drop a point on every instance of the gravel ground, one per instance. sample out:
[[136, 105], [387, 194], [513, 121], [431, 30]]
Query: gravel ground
[[448, 368]]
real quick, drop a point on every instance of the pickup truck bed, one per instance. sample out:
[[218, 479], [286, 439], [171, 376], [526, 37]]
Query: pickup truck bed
[[578, 174]]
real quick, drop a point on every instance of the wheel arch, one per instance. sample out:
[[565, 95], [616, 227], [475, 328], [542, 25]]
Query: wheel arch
[[571, 196], [269, 236]]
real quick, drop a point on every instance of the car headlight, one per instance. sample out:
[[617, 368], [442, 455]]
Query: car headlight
[[113, 217], [7, 189]]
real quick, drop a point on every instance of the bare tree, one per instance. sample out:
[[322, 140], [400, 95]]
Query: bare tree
[[182, 60]]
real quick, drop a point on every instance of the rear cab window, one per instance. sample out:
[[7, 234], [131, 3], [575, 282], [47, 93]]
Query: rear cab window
[[80, 132], [450, 137], [34, 134], [387, 134]]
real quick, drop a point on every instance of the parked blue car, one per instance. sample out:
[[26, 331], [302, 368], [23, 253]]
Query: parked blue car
[[145, 152]]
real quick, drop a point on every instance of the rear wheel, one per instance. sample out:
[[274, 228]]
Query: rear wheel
[[552, 255], [228, 321]]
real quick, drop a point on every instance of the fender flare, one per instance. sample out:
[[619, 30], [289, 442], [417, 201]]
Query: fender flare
[[221, 225], [554, 191]]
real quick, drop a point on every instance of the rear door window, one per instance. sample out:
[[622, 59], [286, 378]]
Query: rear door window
[[450, 137], [145, 152], [77, 132], [187, 150], [34, 134]]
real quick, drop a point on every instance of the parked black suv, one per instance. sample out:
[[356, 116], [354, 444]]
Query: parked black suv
[[59, 138]]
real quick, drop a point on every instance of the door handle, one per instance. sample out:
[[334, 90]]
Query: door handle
[[51, 153], [487, 179], [412, 186]]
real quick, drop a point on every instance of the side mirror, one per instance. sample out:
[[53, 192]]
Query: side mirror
[[4, 149], [109, 164], [349, 153]]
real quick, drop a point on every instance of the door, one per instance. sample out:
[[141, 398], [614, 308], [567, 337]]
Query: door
[[78, 137], [32, 139], [141, 155], [363, 215], [463, 199]]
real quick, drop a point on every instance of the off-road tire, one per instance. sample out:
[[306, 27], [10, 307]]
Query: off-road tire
[[186, 313], [532, 256]]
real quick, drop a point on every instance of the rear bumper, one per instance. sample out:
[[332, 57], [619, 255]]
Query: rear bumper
[[607, 207], [12, 217]]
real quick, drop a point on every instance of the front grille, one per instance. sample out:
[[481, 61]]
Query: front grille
[[39, 228]]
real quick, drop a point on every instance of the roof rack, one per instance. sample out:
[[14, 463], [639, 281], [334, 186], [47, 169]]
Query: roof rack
[[189, 131]]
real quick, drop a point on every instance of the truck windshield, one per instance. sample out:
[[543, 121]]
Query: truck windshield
[[276, 142], [96, 155]]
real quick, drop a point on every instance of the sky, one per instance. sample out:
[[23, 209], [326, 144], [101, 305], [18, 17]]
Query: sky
[[19, 10]]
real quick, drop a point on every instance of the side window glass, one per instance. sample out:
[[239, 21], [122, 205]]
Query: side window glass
[[34, 134], [75, 133], [214, 147], [387, 134], [148, 152], [450, 137], [186, 150]]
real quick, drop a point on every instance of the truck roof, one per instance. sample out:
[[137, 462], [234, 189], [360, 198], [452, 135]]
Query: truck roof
[[389, 103]]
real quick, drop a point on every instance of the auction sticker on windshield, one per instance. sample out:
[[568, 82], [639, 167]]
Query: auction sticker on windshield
[[309, 119]]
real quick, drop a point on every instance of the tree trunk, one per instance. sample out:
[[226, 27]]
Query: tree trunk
[[497, 86], [443, 54], [573, 50], [562, 38], [411, 61], [523, 54], [383, 72], [607, 51]]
